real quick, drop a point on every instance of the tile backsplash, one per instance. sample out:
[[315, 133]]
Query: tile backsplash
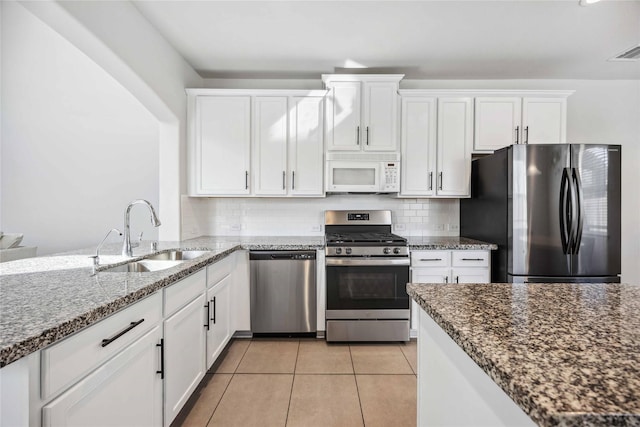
[[305, 216]]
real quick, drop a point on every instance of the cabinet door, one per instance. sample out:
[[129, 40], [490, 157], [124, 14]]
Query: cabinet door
[[343, 116], [497, 122], [222, 144], [470, 275], [430, 275], [306, 148], [418, 146], [184, 347], [219, 332], [544, 120], [270, 145], [455, 129], [380, 127], [126, 390]]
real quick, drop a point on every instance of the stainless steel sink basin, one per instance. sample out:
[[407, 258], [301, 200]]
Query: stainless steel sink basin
[[142, 266], [177, 255]]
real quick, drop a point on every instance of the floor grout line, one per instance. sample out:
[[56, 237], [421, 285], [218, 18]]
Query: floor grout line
[[355, 378], [293, 381]]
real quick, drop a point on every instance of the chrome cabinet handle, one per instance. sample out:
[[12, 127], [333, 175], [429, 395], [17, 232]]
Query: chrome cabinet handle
[[358, 135], [293, 180], [284, 175], [430, 259], [246, 180], [430, 180], [472, 259], [526, 135], [367, 135], [517, 134], [440, 180], [105, 342]]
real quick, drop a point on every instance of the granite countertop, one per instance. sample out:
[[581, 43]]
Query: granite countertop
[[567, 354], [448, 243], [45, 299]]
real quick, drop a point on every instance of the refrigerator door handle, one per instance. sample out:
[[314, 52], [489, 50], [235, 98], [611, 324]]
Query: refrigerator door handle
[[565, 208], [578, 221]]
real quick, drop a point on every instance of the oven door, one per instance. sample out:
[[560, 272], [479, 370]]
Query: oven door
[[377, 285]]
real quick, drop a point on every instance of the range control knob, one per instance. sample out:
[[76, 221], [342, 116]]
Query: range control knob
[[386, 251], [338, 251], [348, 251], [396, 251]]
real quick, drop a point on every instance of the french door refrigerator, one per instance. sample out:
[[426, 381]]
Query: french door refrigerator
[[552, 209]]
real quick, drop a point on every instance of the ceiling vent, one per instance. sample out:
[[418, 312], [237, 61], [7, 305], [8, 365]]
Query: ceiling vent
[[632, 54]]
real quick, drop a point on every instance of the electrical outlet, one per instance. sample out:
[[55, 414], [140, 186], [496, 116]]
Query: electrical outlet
[[453, 227], [399, 227], [235, 227], [440, 227], [316, 227]]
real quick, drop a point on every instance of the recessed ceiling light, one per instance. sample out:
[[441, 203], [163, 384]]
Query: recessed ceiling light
[[587, 2], [632, 54]]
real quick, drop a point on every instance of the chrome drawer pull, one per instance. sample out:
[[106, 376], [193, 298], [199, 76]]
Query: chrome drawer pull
[[472, 259], [430, 259], [107, 341]]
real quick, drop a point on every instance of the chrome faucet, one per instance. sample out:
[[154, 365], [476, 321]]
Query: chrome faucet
[[126, 244], [96, 257]]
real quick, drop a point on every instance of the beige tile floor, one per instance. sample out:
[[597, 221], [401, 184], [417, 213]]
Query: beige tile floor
[[307, 382]]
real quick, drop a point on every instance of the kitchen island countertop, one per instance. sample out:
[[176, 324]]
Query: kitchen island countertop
[[566, 354], [45, 299]]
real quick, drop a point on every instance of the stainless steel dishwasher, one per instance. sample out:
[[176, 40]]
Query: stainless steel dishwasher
[[283, 292]]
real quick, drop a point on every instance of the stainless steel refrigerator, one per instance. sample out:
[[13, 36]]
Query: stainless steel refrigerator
[[552, 209]]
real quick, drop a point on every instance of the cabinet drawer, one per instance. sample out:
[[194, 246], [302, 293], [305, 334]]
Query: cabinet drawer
[[68, 361], [470, 259], [219, 270], [183, 291], [430, 258]]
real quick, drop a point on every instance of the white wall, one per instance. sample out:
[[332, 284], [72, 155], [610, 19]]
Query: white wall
[[121, 41], [76, 146]]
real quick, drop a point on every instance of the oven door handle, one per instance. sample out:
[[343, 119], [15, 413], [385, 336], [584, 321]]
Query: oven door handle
[[373, 261]]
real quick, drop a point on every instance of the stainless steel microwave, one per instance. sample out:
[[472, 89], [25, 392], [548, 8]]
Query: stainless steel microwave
[[363, 173]]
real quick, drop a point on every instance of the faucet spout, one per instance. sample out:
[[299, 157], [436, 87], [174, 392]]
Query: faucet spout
[[126, 244]]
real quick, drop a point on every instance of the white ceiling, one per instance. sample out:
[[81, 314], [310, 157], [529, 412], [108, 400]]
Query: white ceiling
[[424, 39]]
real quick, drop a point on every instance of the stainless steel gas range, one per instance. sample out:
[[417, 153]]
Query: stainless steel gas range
[[367, 270]]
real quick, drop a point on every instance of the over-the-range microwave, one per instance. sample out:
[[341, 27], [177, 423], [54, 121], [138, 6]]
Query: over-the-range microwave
[[363, 172]]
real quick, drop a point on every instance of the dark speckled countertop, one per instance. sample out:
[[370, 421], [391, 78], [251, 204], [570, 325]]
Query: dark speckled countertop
[[45, 299], [567, 354]]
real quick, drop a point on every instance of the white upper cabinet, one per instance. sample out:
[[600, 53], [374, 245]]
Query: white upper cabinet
[[306, 145], [220, 136], [539, 117], [256, 142], [418, 135], [455, 138], [544, 120], [362, 112], [437, 135], [270, 145]]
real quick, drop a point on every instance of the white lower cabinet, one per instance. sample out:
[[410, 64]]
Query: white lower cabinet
[[447, 266], [218, 323], [139, 366], [184, 347], [127, 390]]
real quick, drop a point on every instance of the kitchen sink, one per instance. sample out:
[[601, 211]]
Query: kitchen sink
[[142, 266], [176, 255]]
